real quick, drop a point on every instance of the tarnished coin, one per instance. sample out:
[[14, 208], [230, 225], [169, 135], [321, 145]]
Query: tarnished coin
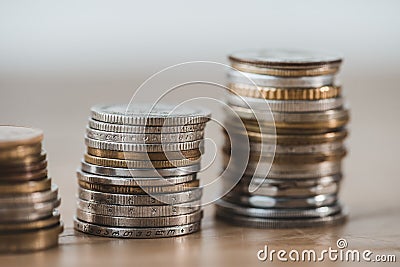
[[190, 195], [139, 164], [18, 153], [12, 136], [29, 198], [119, 189], [13, 169], [139, 222], [30, 225], [138, 211], [152, 115], [24, 176], [128, 232], [25, 187], [25, 161]]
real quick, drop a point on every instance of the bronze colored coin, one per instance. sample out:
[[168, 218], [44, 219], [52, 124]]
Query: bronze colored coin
[[23, 176], [12, 169], [140, 164], [118, 189], [20, 152], [21, 163], [25, 187], [329, 124], [12, 136], [167, 155], [30, 225], [272, 93], [31, 240]]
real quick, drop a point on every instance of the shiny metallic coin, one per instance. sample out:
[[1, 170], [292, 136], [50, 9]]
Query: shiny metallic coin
[[133, 173], [18, 153], [245, 221], [129, 147], [23, 176], [6, 228], [29, 198], [17, 169], [27, 213], [25, 161], [14, 136], [25, 187], [166, 155], [139, 222], [30, 241], [124, 181], [158, 115], [124, 232], [235, 76], [139, 164], [144, 138], [139, 129], [281, 202], [138, 211], [290, 106], [227, 207], [190, 195], [120, 189]]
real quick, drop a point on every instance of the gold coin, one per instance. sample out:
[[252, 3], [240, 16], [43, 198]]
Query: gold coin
[[31, 240], [167, 155], [118, 189], [31, 225], [28, 160], [273, 93], [314, 71], [139, 164], [14, 169], [23, 176], [25, 187], [19, 152], [297, 127], [12, 136]]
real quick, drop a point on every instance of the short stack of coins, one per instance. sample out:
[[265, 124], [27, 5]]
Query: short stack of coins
[[139, 178], [307, 125], [29, 220]]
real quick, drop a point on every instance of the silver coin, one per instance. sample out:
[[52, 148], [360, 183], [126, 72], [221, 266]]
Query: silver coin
[[28, 213], [130, 147], [139, 233], [140, 200], [139, 222], [246, 221], [139, 173], [324, 211], [264, 105], [298, 117], [292, 183], [31, 198], [138, 211], [235, 76], [138, 129], [284, 58], [124, 181], [146, 138], [281, 202], [142, 114]]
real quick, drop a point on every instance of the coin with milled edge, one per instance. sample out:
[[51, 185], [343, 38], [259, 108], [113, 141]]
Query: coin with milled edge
[[125, 232], [190, 195], [139, 164], [152, 115], [138, 211]]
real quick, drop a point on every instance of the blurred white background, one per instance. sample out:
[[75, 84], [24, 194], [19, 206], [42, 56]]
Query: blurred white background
[[57, 58]]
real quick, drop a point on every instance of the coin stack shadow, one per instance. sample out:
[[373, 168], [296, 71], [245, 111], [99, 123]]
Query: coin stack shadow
[[139, 175], [306, 123], [29, 220]]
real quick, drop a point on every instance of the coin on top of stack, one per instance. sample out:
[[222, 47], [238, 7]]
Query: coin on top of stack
[[29, 220], [138, 178], [298, 149]]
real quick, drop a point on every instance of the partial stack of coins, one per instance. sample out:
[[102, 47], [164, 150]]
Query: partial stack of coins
[[139, 175], [307, 125], [29, 220]]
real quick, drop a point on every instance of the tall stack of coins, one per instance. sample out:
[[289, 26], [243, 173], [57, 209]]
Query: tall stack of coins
[[139, 175], [302, 184], [29, 220]]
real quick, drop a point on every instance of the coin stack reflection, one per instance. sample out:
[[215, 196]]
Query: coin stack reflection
[[139, 176], [306, 108], [29, 220]]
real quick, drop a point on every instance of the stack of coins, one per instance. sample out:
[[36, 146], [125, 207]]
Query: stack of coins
[[139, 175], [298, 186], [29, 220]]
